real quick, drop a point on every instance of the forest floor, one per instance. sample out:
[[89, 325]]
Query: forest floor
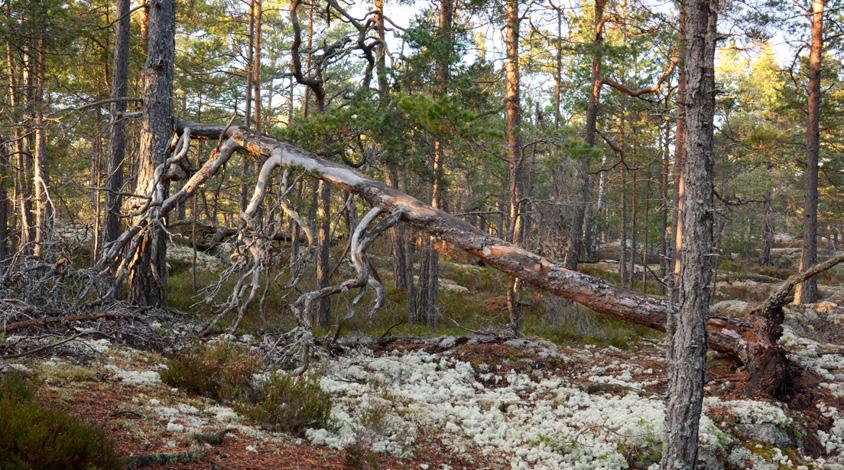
[[460, 402], [579, 391]]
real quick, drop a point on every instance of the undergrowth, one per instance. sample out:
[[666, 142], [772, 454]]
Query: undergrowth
[[225, 372], [220, 371], [483, 308], [33, 437], [291, 404]]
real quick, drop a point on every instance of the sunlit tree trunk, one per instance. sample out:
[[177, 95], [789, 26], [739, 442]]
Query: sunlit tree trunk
[[256, 64], [807, 292], [40, 175], [664, 204], [148, 271], [679, 182], [17, 101], [514, 153]]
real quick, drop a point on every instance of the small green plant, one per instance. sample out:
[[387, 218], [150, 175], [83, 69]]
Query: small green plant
[[33, 437], [220, 371], [291, 405], [358, 458]]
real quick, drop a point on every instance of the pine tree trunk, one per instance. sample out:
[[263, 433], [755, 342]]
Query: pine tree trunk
[[622, 262], [4, 203], [323, 235], [689, 341], [256, 65], [767, 230], [147, 277], [664, 204], [807, 292], [514, 151], [40, 175], [679, 183], [429, 281], [576, 229], [633, 226]]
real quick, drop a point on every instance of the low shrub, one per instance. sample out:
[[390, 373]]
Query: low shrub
[[358, 458], [33, 437], [291, 405], [220, 371]]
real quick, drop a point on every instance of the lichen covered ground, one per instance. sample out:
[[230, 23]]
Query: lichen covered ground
[[468, 402]]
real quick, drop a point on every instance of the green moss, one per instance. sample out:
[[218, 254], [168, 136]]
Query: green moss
[[66, 373], [220, 371], [291, 404], [767, 452], [34, 437]]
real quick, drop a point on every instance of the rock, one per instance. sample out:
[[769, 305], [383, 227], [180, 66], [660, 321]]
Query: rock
[[447, 285], [447, 342], [181, 257], [355, 339], [709, 459], [765, 432], [783, 238], [175, 427]]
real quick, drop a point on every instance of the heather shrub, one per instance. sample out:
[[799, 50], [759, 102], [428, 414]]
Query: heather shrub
[[36, 438], [220, 371], [291, 404]]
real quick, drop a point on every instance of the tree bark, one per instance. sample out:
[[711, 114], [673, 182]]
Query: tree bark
[[767, 228], [322, 265], [622, 262], [514, 150], [664, 205], [633, 225], [256, 64], [4, 203], [686, 368], [148, 271], [40, 175], [247, 102], [429, 281], [679, 182], [117, 137], [807, 292]]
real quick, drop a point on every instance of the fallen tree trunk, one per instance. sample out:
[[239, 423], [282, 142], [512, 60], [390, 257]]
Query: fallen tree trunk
[[747, 340], [12, 327]]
